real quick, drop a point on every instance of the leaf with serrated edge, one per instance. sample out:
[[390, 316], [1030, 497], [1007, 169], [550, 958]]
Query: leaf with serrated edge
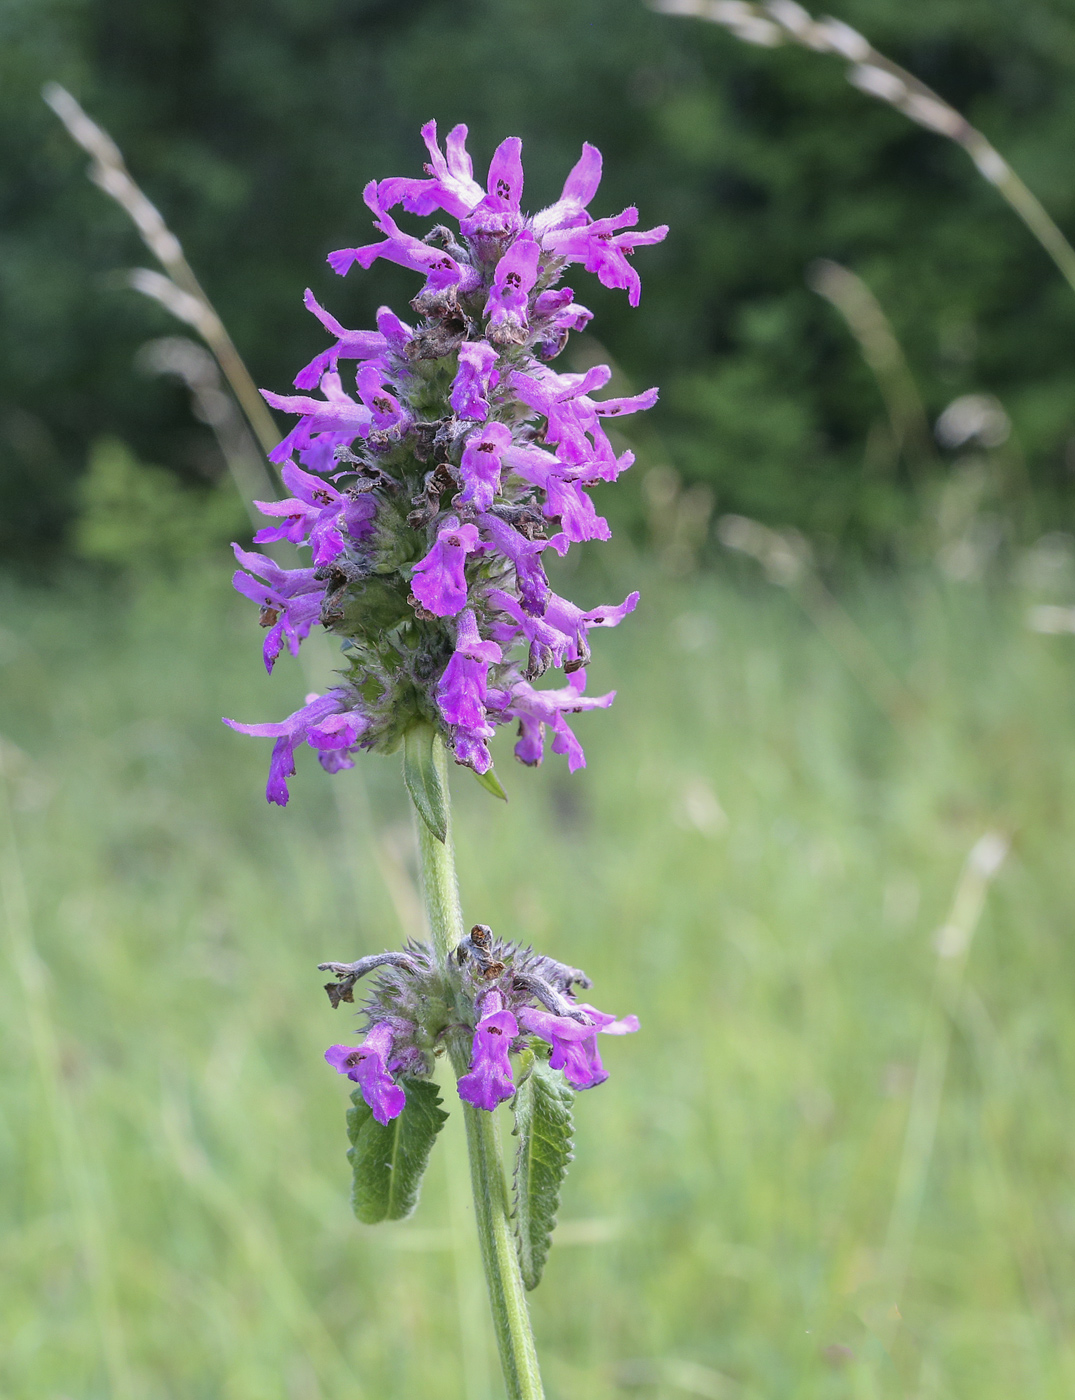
[[388, 1159], [542, 1107], [422, 779]]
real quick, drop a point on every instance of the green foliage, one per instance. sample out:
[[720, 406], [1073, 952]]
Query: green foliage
[[422, 779], [491, 783], [754, 861], [136, 516], [542, 1109], [255, 129], [389, 1159]]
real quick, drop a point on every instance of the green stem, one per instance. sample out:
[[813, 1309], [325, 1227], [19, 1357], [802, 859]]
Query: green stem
[[507, 1297]]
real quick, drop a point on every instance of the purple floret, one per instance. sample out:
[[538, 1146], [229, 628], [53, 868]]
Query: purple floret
[[324, 723], [602, 248], [475, 379], [481, 465], [536, 709], [579, 188], [439, 583], [317, 512], [367, 1065], [462, 692], [489, 1081], [574, 1046], [509, 296], [440, 268], [350, 345], [290, 600], [452, 186]]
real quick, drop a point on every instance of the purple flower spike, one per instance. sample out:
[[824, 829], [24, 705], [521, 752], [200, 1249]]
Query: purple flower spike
[[490, 1079], [474, 380], [458, 447], [509, 993], [439, 582], [367, 1065]]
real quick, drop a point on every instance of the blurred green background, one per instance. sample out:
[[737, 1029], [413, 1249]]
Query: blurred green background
[[756, 861], [838, 1161]]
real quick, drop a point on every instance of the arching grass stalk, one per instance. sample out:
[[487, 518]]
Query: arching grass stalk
[[177, 288], [867, 322], [786, 22]]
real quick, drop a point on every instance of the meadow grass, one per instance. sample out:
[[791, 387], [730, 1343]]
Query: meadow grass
[[756, 861]]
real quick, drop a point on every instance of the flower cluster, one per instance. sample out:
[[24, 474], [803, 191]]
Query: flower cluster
[[507, 998], [429, 494]]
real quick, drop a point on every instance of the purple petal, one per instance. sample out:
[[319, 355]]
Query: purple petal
[[439, 582], [515, 275], [475, 377], [366, 1064], [481, 465], [489, 1081], [505, 182]]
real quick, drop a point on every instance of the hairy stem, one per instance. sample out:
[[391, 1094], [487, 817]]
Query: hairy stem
[[507, 1297]]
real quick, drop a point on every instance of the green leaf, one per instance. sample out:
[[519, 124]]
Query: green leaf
[[543, 1126], [491, 783], [388, 1159], [422, 779]]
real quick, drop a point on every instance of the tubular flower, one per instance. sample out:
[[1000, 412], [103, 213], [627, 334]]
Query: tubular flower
[[506, 998], [433, 464], [489, 1081], [325, 723], [367, 1065]]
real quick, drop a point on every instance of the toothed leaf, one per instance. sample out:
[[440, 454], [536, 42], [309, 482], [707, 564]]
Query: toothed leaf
[[388, 1159], [543, 1126]]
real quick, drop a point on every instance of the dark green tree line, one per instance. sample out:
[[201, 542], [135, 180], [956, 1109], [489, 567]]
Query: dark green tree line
[[254, 125]]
